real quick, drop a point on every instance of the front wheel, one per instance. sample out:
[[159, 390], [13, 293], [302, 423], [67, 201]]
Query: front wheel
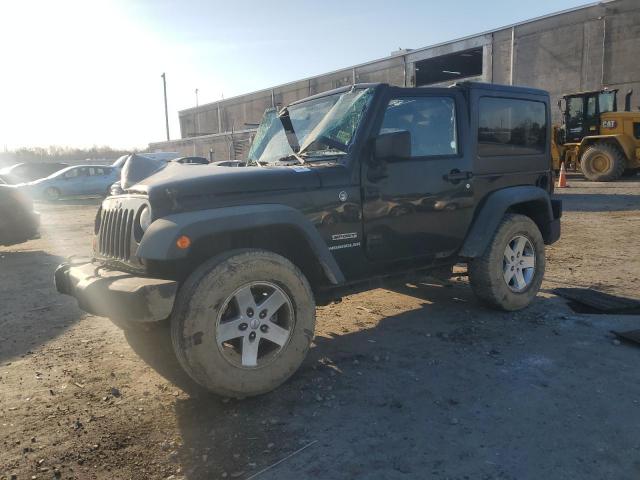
[[243, 322], [602, 163], [509, 273], [52, 193]]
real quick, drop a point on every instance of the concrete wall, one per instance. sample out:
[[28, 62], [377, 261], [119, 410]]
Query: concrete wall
[[586, 49], [581, 49]]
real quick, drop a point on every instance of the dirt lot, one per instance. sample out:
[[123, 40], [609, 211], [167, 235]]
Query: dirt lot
[[414, 382]]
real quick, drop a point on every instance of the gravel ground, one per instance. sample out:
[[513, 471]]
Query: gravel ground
[[418, 381]]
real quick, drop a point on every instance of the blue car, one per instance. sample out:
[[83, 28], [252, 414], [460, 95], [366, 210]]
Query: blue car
[[80, 180]]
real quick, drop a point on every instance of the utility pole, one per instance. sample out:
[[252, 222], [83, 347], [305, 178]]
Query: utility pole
[[166, 111], [197, 115]]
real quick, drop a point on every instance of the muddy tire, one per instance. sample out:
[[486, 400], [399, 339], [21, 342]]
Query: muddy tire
[[602, 163], [243, 323], [509, 273]]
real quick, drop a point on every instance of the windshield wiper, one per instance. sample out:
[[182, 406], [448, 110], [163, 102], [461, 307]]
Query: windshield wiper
[[290, 133], [252, 162], [293, 156]]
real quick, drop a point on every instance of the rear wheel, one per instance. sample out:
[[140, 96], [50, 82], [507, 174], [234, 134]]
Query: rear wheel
[[243, 322], [509, 273], [52, 193], [602, 163]]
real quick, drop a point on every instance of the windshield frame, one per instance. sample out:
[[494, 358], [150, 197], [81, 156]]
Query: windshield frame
[[341, 157]]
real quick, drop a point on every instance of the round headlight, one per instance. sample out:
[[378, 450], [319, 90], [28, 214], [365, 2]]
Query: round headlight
[[115, 189], [145, 218]]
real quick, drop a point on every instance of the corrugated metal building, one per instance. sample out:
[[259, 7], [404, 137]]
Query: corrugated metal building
[[579, 49]]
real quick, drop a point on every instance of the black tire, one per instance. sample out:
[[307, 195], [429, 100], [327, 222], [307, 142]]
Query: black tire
[[207, 296], [602, 162], [486, 273], [52, 194], [442, 273]]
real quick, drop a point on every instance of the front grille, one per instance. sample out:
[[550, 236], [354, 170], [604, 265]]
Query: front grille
[[114, 236]]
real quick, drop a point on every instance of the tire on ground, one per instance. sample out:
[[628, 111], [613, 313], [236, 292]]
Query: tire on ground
[[202, 297], [442, 273], [52, 193], [486, 272], [602, 162]]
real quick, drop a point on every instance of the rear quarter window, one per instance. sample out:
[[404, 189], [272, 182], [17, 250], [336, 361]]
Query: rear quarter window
[[508, 126]]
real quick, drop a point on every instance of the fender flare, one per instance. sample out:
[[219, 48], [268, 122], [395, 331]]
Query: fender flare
[[490, 213], [159, 241]]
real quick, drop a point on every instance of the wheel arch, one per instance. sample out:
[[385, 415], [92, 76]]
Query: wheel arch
[[283, 239], [534, 202], [277, 228]]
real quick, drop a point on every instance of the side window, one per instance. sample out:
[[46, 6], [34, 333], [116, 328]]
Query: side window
[[430, 120], [591, 106], [607, 102], [95, 171], [511, 127], [73, 173], [575, 111]]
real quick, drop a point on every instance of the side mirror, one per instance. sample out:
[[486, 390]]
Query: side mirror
[[393, 145]]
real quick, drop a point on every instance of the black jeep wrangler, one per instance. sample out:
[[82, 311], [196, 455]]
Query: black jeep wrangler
[[341, 191]]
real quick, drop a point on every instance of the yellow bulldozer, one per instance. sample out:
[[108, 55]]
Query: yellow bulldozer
[[595, 137]]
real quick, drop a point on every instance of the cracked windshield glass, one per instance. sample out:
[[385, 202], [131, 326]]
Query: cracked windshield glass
[[323, 127]]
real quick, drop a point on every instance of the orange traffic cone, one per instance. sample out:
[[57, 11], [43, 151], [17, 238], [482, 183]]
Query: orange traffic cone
[[562, 178]]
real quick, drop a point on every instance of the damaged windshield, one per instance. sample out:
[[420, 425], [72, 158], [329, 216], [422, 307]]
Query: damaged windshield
[[324, 126]]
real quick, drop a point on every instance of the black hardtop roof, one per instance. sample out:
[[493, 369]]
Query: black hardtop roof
[[497, 87], [464, 85]]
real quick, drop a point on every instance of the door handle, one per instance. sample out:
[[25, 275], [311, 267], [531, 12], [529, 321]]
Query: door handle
[[456, 175]]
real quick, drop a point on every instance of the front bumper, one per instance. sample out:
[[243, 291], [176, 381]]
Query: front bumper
[[115, 294]]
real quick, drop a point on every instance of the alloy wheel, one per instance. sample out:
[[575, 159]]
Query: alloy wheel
[[519, 263], [255, 324]]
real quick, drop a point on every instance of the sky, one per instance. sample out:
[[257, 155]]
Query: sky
[[88, 72]]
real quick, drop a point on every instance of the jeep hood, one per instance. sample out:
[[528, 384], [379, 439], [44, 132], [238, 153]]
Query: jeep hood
[[178, 180]]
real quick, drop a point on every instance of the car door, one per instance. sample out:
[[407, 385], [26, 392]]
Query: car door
[[420, 205], [103, 178], [575, 119], [89, 184], [592, 116], [74, 181]]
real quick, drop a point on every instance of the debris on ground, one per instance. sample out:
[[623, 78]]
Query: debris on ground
[[630, 336], [594, 301]]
